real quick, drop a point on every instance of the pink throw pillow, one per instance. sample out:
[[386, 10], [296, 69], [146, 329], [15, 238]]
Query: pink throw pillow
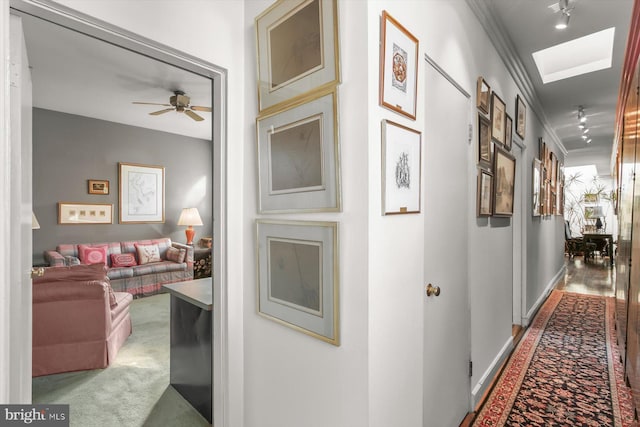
[[148, 253], [92, 254], [123, 260], [176, 255]]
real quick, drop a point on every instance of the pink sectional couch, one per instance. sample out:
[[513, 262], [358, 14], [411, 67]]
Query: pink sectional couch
[[79, 322], [175, 264]]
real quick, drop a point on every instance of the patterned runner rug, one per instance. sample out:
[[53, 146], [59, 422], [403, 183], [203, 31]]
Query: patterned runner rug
[[566, 370]]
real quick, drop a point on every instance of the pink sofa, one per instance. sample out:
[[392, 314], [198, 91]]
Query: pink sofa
[[79, 323]]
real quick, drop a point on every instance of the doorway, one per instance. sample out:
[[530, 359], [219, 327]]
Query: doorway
[[133, 43]]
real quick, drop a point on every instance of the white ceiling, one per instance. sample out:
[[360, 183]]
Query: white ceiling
[[530, 25], [81, 75], [77, 74]]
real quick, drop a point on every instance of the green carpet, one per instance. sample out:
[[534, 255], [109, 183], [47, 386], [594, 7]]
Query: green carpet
[[134, 390]]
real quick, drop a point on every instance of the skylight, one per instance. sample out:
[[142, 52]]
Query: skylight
[[575, 57]]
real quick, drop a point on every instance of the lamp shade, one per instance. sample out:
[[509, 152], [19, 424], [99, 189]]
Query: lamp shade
[[35, 225], [189, 216]]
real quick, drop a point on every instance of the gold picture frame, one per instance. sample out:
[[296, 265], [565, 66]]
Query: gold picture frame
[[485, 193], [298, 280], [483, 95], [498, 113], [298, 50], [504, 171], [521, 116], [398, 67], [76, 213], [141, 193], [97, 186]]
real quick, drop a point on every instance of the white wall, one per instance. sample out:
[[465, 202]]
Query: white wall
[[291, 378]]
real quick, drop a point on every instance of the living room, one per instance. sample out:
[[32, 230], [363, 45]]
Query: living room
[[84, 133]]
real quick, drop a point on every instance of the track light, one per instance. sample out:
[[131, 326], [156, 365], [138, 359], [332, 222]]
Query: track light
[[586, 130], [563, 19], [581, 116], [588, 141], [584, 136]]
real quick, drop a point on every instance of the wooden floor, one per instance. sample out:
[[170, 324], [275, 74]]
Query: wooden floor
[[594, 278]]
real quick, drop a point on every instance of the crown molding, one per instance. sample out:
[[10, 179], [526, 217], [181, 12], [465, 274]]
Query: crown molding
[[484, 12]]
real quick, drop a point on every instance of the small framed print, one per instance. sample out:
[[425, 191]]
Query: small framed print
[[85, 213], [298, 276], [508, 132], [398, 67], [485, 193], [401, 175], [484, 141], [497, 118], [483, 94], [521, 116], [298, 50], [98, 186], [504, 170]]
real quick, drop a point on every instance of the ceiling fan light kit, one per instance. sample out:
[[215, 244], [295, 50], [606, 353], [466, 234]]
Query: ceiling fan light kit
[[179, 103]]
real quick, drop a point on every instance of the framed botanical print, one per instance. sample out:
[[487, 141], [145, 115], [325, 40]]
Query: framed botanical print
[[401, 175], [508, 132], [298, 50], [504, 171], [141, 193], [398, 67], [484, 141], [521, 117], [497, 118], [298, 157], [485, 193], [483, 93], [298, 276]]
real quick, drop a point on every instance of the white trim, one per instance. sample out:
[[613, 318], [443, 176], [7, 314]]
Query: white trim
[[547, 290], [5, 208], [482, 384]]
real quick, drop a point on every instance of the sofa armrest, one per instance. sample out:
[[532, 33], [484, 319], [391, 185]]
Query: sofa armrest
[[188, 257], [54, 259]]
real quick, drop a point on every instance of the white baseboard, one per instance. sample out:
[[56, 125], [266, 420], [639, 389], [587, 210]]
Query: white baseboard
[[547, 290], [481, 386]]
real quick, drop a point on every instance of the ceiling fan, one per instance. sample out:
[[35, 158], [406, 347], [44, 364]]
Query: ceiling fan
[[179, 102]]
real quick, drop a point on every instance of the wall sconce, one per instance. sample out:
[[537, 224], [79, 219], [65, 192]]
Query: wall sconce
[[190, 217]]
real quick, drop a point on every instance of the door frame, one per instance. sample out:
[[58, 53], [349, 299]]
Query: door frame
[[519, 226], [90, 26]]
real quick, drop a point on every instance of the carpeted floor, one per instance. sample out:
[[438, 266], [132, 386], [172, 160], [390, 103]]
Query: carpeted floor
[[134, 391], [566, 370]]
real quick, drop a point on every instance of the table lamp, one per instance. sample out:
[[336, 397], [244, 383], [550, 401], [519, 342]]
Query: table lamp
[[190, 217]]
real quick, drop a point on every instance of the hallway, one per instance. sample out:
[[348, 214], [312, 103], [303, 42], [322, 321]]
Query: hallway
[[595, 278]]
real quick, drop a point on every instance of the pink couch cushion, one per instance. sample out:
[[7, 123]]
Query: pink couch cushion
[[123, 260], [148, 253], [176, 255], [92, 254]]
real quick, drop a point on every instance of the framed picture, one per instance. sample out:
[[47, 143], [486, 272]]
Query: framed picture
[[485, 190], [497, 118], [521, 117], [536, 186], [298, 157], [398, 67], [483, 92], [508, 132], [85, 213], [98, 187], [297, 48], [504, 171], [141, 193], [484, 141], [401, 175], [298, 276]]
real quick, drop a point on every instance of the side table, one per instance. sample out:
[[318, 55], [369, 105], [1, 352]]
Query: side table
[[201, 262]]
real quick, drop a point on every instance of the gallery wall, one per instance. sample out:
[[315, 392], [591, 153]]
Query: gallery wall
[[69, 150]]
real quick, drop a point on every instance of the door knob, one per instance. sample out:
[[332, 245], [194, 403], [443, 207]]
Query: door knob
[[433, 290], [37, 272]]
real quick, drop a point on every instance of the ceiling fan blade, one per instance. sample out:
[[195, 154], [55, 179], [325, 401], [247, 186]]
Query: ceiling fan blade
[[193, 115], [198, 108], [151, 103], [157, 113]]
